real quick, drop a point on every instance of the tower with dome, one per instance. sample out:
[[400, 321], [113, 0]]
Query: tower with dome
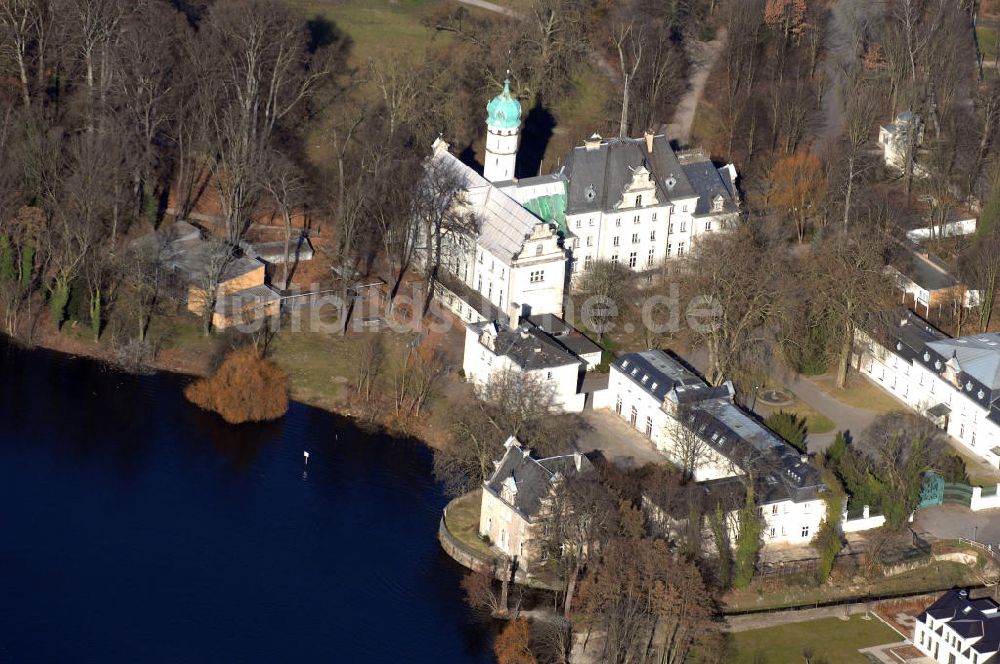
[[503, 128]]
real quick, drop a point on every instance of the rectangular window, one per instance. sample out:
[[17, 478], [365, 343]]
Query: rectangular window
[[652, 236], [649, 259], [805, 531], [708, 226], [537, 276], [591, 223], [586, 262], [669, 249], [631, 259], [615, 241], [774, 509], [649, 427], [670, 227], [684, 225], [635, 238], [614, 259], [590, 240], [654, 216], [635, 219], [618, 222], [680, 248], [684, 209], [579, 222]]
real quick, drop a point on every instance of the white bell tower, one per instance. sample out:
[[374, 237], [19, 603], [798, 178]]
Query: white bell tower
[[503, 128]]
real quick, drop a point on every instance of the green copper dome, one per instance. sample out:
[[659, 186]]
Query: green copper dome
[[504, 111]]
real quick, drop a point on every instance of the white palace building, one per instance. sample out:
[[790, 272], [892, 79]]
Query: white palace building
[[953, 382], [636, 202]]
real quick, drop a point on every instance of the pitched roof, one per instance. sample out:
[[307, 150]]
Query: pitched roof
[[656, 373], [969, 618], [527, 346], [977, 355], [598, 175], [504, 223], [708, 181], [532, 478]]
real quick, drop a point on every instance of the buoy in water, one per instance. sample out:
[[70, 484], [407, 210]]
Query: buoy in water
[[305, 455]]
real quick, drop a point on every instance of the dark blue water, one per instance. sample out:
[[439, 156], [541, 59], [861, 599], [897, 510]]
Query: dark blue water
[[134, 527]]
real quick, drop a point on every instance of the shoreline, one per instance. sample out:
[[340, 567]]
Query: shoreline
[[175, 363]]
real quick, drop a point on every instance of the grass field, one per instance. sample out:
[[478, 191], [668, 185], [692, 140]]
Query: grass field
[[834, 640], [989, 43], [781, 592], [816, 422], [859, 393]]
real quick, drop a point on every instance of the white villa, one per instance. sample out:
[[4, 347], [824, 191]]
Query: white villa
[[953, 382], [540, 348], [957, 629], [515, 495], [631, 201], [676, 410]]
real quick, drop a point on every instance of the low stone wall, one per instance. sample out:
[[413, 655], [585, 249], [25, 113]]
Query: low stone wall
[[477, 562], [985, 502]]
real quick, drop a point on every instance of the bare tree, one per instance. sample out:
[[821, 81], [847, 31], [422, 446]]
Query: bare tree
[[284, 182]]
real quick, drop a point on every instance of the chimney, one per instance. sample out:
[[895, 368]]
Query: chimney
[[648, 135], [804, 458], [578, 460], [594, 142]]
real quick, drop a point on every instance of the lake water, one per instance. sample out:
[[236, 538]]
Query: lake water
[[134, 527]]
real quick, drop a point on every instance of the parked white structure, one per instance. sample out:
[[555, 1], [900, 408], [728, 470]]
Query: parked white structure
[[543, 349], [700, 429], [957, 629], [896, 137], [953, 382]]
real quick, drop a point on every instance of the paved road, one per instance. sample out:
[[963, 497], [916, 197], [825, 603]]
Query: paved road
[[492, 7], [954, 521], [844, 417], [618, 441]]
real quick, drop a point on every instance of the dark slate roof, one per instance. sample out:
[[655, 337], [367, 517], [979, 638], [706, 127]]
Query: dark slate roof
[[712, 415], [564, 334], [533, 478], [598, 176], [708, 182], [977, 356], [922, 268], [970, 618], [528, 346], [656, 373]]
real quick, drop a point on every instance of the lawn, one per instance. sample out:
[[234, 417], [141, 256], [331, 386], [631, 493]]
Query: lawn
[[859, 393], [784, 592], [836, 641], [462, 521], [318, 363], [988, 43], [816, 422], [377, 28]]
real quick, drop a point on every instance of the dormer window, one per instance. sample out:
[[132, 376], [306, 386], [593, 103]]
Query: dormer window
[[508, 490], [717, 204]]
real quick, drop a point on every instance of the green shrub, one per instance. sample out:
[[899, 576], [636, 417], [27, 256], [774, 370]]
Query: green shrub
[[789, 426]]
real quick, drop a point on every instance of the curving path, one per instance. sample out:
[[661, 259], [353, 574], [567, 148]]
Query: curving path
[[703, 56]]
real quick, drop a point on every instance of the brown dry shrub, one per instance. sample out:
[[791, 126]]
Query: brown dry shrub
[[245, 388]]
